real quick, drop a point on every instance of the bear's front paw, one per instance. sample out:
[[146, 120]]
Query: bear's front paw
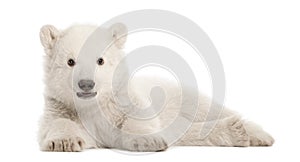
[[147, 144], [67, 144]]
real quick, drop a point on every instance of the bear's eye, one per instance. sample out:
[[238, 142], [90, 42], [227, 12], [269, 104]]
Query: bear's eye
[[71, 62], [100, 61]]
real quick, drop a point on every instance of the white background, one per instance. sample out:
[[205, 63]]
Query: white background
[[257, 40]]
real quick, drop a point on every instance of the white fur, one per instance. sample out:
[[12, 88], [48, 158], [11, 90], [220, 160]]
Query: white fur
[[61, 129]]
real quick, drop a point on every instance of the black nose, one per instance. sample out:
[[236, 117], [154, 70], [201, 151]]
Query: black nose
[[86, 85]]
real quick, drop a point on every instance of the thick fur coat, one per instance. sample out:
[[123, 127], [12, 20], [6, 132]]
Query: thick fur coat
[[68, 127]]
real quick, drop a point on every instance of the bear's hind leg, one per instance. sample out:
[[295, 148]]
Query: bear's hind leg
[[258, 137]]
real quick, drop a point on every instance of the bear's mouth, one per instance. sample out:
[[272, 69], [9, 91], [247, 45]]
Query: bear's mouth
[[86, 95]]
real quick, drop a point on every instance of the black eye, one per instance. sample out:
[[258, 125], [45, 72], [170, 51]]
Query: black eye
[[71, 62], [100, 61]]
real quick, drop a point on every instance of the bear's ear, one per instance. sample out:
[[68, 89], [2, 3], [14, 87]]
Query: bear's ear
[[119, 34], [48, 36]]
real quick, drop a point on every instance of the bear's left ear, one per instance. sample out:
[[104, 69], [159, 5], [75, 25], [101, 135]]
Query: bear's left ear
[[119, 34], [48, 36]]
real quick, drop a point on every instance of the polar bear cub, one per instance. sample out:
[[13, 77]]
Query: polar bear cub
[[71, 121]]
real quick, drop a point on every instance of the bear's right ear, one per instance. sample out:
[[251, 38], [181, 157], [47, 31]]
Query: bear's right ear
[[119, 34], [48, 36]]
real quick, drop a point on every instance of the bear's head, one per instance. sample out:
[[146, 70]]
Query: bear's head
[[63, 49]]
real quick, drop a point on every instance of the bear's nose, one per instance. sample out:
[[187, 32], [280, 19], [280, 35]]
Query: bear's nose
[[86, 85]]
